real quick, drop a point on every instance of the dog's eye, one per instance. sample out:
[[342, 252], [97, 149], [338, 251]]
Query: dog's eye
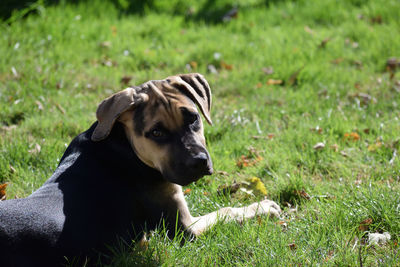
[[192, 118], [157, 133]]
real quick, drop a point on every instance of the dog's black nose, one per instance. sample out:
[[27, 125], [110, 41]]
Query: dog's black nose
[[199, 163]]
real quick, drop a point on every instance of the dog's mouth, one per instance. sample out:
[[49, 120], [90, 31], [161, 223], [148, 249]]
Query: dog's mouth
[[187, 176]]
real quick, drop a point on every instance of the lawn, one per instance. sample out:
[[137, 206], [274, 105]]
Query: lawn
[[306, 98]]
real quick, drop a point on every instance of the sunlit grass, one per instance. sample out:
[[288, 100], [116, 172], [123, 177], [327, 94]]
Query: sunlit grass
[[58, 63]]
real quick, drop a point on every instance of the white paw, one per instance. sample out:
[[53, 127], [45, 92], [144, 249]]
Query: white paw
[[269, 207]]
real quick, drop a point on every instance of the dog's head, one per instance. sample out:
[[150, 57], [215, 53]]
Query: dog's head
[[163, 125]]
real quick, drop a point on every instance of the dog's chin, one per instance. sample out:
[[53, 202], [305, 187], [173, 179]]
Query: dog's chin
[[187, 179]]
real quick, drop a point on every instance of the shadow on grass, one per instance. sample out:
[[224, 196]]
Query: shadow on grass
[[209, 11]]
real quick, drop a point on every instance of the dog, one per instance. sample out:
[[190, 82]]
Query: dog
[[121, 178]]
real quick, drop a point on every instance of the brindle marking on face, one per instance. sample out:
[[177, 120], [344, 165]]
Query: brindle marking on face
[[166, 133]]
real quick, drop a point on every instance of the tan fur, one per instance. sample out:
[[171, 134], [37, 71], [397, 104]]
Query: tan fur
[[149, 152]]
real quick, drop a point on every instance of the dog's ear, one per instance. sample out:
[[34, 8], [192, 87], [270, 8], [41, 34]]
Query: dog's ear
[[111, 108], [195, 86]]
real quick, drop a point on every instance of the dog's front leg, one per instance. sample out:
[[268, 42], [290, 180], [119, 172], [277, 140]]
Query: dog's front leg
[[205, 222]]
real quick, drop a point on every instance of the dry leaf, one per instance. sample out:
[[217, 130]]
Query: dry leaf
[[222, 173], [309, 30], [274, 82], [106, 44], [376, 20], [364, 225], [293, 78], [259, 220], [3, 191], [126, 79], [303, 194], [391, 65], [268, 70], [226, 66], [337, 60], [269, 136], [292, 246], [319, 146], [335, 147], [12, 169], [324, 42], [245, 161], [231, 14], [187, 191], [228, 189], [60, 108], [316, 129], [353, 136], [39, 105], [193, 64], [35, 150]]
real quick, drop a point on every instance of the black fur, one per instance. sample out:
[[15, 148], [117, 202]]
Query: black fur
[[100, 193]]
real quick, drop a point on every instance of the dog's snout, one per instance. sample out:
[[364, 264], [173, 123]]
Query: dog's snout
[[198, 161]]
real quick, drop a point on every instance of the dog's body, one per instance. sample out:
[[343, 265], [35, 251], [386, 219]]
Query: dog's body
[[120, 178]]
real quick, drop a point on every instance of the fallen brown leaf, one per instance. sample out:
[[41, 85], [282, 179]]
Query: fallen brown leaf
[[376, 20], [231, 14], [3, 191], [222, 172], [268, 70], [309, 30], [274, 82], [293, 78], [39, 105], [337, 60], [105, 44], [226, 66], [269, 136], [335, 147], [302, 193], [193, 64], [126, 79], [292, 246], [324, 42], [35, 150], [319, 146], [187, 191], [364, 225], [351, 136], [12, 169], [228, 189]]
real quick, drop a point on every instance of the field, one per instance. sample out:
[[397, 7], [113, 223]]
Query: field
[[306, 98]]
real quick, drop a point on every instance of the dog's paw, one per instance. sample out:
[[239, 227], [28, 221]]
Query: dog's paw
[[270, 207]]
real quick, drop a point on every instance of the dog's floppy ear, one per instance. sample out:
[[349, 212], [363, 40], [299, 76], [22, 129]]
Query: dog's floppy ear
[[196, 87], [111, 108]]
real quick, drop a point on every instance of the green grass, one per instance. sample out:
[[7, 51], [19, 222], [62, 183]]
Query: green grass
[[58, 62]]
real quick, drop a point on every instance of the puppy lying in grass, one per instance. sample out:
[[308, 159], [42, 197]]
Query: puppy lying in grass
[[121, 177]]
